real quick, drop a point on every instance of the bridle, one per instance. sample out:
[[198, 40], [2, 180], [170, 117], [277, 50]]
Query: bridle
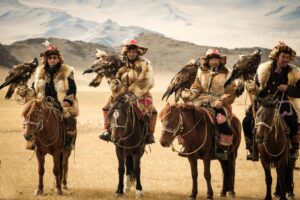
[[115, 124]]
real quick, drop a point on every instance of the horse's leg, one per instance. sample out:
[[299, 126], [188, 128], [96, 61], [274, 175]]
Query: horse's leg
[[137, 173], [129, 173], [121, 170], [65, 167], [290, 178], [207, 177], [232, 175], [282, 181], [224, 165], [41, 161], [194, 170], [57, 171], [277, 188], [268, 179]]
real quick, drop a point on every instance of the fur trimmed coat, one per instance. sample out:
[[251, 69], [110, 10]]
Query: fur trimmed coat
[[208, 82], [263, 74], [61, 86], [136, 78]]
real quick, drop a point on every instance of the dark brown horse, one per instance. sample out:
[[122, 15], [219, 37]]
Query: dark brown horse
[[44, 126], [273, 147], [194, 127], [128, 134]]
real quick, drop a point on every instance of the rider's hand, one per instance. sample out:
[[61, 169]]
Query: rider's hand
[[185, 94], [66, 104], [218, 104], [22, 90], [282, 87], [251, 87]]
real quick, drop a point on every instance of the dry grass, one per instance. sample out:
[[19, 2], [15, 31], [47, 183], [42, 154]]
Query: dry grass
[[93, 173]]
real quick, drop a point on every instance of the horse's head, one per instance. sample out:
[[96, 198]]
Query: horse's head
[[33, 119], [121, 118], [265, 117], [171, 120]]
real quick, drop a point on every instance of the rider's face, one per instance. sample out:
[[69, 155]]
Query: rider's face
[[52, 60], [132, 54], [214, 62], [283, 59]]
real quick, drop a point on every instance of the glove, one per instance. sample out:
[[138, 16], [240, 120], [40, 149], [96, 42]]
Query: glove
[[22, 90], [115, 84], [186, 94], [251, 87]]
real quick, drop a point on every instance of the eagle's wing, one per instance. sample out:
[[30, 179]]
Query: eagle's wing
[[245, 67], [19, 75], [96, 80], [183, 79]]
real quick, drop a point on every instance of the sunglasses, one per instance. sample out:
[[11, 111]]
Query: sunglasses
[[52, 57]]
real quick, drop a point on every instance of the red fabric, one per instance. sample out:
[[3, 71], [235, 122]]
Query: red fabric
[[138, 111], [131, 42], [212, 51], [145, 101], [51, 48]]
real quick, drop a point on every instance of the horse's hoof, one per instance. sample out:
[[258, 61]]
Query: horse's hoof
[[65, 187], [291, 196], [38, 192], [139, 194], [231, 194], [127, 189], [58, 192], [222, 194], [119, 195], [191, 198]]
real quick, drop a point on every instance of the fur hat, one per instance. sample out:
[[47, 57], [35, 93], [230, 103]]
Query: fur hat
[[279, 48], [133, 44], [51, 50], [213, 53]]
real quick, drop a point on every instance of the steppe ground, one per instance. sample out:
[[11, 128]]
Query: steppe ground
[[93, 165]]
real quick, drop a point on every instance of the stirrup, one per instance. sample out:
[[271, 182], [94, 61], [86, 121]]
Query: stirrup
[[149, 139], [182, 152], [222, 154], [106, 136]]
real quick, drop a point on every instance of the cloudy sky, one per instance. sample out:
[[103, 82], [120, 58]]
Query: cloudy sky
[[226, 23]]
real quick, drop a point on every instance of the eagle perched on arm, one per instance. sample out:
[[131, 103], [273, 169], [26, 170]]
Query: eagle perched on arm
[[18, 76], [244, 69], [105, 66], [183, 79]]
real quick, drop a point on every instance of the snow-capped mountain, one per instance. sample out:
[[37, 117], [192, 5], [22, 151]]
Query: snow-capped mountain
[[21, 22], [230, 23]]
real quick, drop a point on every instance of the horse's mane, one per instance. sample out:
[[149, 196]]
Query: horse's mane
[[199, 113], [119, 100], [29, 107]]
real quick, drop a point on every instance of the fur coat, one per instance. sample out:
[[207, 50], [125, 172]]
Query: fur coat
[[61, 86], [263, 74], [212, 83], [136, 78]]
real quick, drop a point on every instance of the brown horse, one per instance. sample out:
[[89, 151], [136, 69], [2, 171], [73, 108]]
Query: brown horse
[[194, 127], [273, 147], [128, 134], [44, 125]]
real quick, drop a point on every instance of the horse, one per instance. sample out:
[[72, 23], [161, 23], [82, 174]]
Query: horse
[[128, 135], [45, 127], [273, 147], [195, 129]]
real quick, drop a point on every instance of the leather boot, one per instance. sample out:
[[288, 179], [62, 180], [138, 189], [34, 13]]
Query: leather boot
[[69, 141], [106, 135], [152, 123]]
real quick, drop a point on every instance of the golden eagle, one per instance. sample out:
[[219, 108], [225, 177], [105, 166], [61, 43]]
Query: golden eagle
[[105, 66], [19, 75], [245, 68], [183, 79]]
